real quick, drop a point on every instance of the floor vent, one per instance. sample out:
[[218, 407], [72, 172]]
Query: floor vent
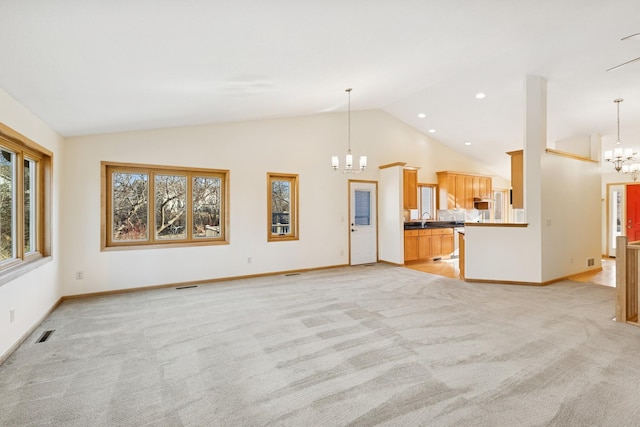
[[45, 336], [187, 287], [292, 274], [369, 265]]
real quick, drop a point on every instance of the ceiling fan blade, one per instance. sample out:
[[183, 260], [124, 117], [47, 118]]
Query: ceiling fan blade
[[631, 36], [628, 62]]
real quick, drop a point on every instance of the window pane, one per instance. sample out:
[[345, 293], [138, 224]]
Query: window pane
[[280, 207], [170, 205], [130, 206], [426, 206], [7, 205], [206, 207], [29, 206], [363, 207], [498, 205]]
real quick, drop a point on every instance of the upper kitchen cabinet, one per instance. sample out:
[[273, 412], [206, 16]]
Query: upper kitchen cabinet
[[517, 181], [410, 188], [458, 190]]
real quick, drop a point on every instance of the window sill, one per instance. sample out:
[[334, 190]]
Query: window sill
[[164, 245], [22, 269]]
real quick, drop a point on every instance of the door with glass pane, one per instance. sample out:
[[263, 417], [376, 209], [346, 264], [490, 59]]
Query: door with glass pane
[[363, 230]]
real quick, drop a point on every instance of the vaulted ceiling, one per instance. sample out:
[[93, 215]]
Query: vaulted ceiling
[[89, 66]]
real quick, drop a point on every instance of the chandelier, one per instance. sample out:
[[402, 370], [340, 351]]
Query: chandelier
[[632, 169], [618, 156], [348, 163]]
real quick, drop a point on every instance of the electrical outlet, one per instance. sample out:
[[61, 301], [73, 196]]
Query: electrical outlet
[[341, 252], [79, 275], [591, 262], [249, 260], [12, 315]]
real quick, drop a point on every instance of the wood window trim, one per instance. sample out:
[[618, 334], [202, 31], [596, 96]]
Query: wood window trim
[[433, 199], [294, 211], [106, 244], [24, 147]]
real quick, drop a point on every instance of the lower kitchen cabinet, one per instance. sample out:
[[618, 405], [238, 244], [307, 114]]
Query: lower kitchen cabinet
[[425, 244], [410, 245]]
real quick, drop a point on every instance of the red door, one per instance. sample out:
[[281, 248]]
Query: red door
[[633, 212]]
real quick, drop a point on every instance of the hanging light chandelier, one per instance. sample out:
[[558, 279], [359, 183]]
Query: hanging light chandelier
[[632, 169], [618, 156], [348, 163]]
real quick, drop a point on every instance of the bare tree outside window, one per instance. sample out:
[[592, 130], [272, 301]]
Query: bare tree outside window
[[280, 207], [130, 206], [283, 215], [29, 199], [25, 201], [206, 207], [147, 205], [171, 205], [7, 205]]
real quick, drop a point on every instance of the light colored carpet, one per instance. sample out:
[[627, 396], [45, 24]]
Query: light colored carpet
[[356, 346]]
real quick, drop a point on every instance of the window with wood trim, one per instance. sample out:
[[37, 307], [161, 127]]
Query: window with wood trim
[[426, 203], [25, 170], [157, 205], [282, 207]]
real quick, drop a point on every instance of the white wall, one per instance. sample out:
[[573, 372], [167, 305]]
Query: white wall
[[507, 254], [390, 220], [571, 216], [34, 293], [570, 230], [300, 145], [563, 212]]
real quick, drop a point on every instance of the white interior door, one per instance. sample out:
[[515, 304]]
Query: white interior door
[[616, 216], [363, 242]]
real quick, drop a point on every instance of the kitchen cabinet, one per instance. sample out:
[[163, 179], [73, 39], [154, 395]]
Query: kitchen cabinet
[[410, 188], [442, 241], [458, 190], [425, 244], [517, 179], [411, 245]]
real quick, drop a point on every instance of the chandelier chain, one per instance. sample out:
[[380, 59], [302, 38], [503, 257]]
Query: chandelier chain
[[349, 123], [335, 161], [618, 101]]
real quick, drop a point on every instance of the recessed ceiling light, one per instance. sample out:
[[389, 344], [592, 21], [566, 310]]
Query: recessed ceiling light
[[422, 115], [480, 95], [467, 143], [432, 131]]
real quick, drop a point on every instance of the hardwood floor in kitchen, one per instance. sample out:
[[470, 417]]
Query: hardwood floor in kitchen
[[449, 268]]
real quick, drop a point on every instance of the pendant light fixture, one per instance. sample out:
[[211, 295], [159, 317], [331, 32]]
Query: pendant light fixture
[[348, 163], [619, 155]]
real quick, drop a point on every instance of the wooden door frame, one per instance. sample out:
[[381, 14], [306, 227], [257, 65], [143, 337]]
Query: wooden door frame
[[608, 214]]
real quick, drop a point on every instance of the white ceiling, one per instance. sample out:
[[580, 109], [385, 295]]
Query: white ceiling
[[91, 66]]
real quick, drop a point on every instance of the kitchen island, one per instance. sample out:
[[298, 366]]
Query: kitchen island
[[429, 240]]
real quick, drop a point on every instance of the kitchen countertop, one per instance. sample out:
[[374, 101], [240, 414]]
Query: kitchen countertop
[[429, 224]]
